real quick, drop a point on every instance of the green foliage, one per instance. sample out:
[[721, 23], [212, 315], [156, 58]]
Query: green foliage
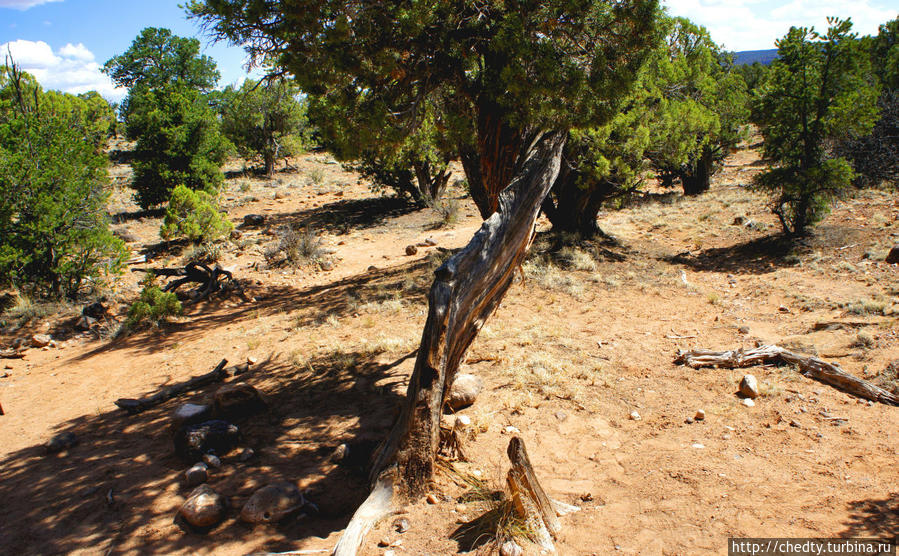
[[485, 73], [266, 120], [54, 234], [699, 108], [157, 58], [193, 214], [153, 307], [178, 143], [818, 94], [884, 50]]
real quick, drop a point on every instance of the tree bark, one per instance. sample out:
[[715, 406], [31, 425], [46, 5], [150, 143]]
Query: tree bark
[[698, 177], [467, 290], [574, 209]]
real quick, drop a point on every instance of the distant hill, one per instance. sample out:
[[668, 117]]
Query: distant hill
[[751, 56]]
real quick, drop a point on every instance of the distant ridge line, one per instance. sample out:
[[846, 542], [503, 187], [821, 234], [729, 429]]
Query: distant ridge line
[[748, 57]]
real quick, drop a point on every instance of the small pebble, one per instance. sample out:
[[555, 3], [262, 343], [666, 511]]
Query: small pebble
[[635, 416], [384, 542], [700, 415], [698, 446], [212, 460], [725, 436], [511, 430], [795, 424], [561, 415], [689, 420], [748, 402], [246, 455], [196, 475], [389, 553], [749, 386], [463, 421], [510, 548], [252, 360], [401, 525], [432, 499], [460, 508]]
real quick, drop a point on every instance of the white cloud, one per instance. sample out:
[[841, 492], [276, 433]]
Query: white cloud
[[756, 24], [24, 4], [71, 69]]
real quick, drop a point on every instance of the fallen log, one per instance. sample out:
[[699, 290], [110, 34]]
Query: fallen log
[[812, 367], [135, 406]]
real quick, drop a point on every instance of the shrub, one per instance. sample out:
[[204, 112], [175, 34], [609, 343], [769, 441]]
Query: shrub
[[54, 232], [193, 214], [153, 307], [298, 247]]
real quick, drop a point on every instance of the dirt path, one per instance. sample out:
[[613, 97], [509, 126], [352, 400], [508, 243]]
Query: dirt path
[[568, 356]]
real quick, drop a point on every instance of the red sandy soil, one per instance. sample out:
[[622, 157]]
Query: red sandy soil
[[572, 351]]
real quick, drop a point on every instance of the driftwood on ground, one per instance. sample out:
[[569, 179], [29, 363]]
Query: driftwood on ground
[[811, 367], [209, 279], [135, 406]]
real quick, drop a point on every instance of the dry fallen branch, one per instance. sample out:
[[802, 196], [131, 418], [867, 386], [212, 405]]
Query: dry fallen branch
[[134, 407], [812, 367], [209, 279]]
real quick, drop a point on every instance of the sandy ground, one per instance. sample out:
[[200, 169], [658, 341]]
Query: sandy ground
[[587, 338]]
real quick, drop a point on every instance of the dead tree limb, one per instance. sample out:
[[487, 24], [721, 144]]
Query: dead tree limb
[[812, 367], [529, 500], [134, 407], [209, 279]]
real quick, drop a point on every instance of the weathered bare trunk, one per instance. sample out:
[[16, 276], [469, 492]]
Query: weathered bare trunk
[[466, 291], [430, 187], [697, 177]]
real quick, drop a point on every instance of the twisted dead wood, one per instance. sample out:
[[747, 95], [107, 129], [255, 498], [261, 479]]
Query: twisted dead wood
[[811, 367]]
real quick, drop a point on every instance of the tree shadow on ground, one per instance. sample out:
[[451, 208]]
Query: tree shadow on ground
[[127, 216], [343, 216], [757, 256], [407, 284], [118, 488], [873, 518]]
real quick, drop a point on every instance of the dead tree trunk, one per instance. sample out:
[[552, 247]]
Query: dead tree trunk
[[466, 291], [811, 367]]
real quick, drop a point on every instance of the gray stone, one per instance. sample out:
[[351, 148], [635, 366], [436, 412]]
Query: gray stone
[[194, 441], [60, 442], [237, 401], [254, 220], [401, 525], [272, 503], [212, 460], [190, 413], [41, 340], [196, 475], [465, 391], [204, 507], [749, 387]]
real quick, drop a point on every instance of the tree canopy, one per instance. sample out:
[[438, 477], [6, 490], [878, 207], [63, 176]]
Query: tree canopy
[[819, 93]]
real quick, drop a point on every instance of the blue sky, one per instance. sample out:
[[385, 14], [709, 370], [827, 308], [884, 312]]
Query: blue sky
[[65, 42]]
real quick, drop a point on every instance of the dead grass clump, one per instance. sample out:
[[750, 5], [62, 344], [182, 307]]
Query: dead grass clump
[[296, 248], [24, 310], [863, 340], [447, 209], [889, 378], [550, 277], [497, 522], [865, 307]]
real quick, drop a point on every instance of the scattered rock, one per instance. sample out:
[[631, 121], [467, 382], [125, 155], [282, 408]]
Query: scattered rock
[[254, 220], [796, 424], [280, 195], [699, 446], [430, 242], [743, 330], [740, 221], [41, 340], [196, 475], [272, 503], [204, 507], [245, 455], [689, 420], [749, 386], [236, 234], [465, 391], [783, 309], [432, 499], [463, 421], [510, 548], [212, 460], [192, 441], [372, 268], [401, 525], [411, 250], [60, 442], [700, 415], [385, 542], [560, 415], [252, 360], [893, 255], [85, 323], [126, 235], [237, 401], [748, 402], [511, 430], [634, 416], [340, 453], [190, 413], [326, 265]]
